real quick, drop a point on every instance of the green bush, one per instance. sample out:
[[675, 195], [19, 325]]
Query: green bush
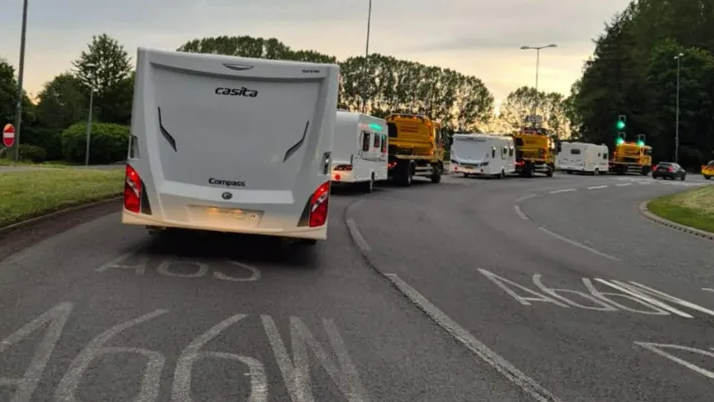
[[47, 138], [32, 153], [108, 143]]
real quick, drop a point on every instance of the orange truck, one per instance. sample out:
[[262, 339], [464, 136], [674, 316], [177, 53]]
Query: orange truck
[[416, 148], [631, 157], [708, 170]]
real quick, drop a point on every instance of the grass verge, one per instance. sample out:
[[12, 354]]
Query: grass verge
[[53, 164], [693, 208], [28, 194]]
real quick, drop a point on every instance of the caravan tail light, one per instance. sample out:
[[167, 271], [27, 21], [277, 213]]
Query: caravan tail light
[[319, 202], [132, 190], [343, 168], [392, 164]]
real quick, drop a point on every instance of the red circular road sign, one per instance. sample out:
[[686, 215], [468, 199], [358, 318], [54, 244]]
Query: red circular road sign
[[8, 135]]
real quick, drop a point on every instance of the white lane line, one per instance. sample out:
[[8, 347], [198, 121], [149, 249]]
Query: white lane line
[[567, 190], [518, 201], [483, 352], [623, 184], [708, 290], [520, 213], [359, 239], [596, 187], [576, 244], [645, 182]]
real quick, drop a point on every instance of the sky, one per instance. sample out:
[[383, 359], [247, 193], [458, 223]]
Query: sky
[[475, 37]]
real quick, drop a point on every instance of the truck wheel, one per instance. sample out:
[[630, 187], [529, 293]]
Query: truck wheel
[[436, 176], [549, 172], [403, 173], [707, 177]]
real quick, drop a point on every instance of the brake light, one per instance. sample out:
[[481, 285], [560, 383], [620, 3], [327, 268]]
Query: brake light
[[343, 168], [132, 190], [671, 169], [319, 205], [391, 164]]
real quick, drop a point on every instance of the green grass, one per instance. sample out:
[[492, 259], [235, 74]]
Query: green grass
[[28, 194], [693, 208], [53, 164]]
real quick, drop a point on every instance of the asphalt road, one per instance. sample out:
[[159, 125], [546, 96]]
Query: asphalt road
[[453, 302]]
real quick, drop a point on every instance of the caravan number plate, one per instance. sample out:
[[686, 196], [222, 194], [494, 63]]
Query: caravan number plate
[[234, 213]]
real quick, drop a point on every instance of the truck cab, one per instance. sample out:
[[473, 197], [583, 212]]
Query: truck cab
[[416, 148]]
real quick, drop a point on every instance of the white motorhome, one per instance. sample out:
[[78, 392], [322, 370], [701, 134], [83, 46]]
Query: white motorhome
[[582, 157], [359, 155], [482, 155], [231, 144]]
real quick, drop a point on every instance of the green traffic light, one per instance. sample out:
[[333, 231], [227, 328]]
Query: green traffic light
[[641, 143], [620, 141], [620, 125]]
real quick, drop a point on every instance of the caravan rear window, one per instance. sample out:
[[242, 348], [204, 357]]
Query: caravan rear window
[[377, 138], [575, 151], [365, 141], [384, 143]]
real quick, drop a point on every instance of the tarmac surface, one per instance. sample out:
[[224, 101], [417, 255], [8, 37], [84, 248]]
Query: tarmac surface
[[543, 289]]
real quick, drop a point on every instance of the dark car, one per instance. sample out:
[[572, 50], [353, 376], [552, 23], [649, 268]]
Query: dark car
[[669, 170]]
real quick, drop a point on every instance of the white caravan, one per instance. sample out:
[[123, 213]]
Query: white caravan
[[231, 144], [482, 155], [359, 155], [583, 158]]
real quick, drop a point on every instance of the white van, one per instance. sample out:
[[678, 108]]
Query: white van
[[482, 155], [231, 144], [359, 155], [583, 158]]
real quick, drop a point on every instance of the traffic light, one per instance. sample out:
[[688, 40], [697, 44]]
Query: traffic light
[[620, 138], [641, 140], [621, 122]]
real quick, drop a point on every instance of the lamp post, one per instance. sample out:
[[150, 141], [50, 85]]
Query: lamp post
[[537, 49], [366, 60], [91, 66], [20, 75], [676, 129]]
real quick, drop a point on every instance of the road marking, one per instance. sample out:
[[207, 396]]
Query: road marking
[[708, 290], [509, 371], [657, 348], [518, 201], [622, 287], [645, 182], [596, 187], [567, 190], [640, 288], [580, 245], [623, 184], [520, 213], [357, 236], [55, 320]]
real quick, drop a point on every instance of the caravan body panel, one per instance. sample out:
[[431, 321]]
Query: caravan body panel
[[231, 144]]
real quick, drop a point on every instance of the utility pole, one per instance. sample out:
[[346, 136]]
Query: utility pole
[[88, 139], [537, 72], [20, 76], [366, 60], [676, 129]]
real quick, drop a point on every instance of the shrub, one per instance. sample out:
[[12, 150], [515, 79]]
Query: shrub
[[47, 138], [32, 153], [108, 143]]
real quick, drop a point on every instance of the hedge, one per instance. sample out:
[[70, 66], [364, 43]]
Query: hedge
[[108, 143], [32, 153]]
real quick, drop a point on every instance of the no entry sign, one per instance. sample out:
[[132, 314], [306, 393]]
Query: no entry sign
[[8, 135]]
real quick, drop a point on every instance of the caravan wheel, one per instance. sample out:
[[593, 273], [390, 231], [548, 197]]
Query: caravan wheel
[[369, 185]]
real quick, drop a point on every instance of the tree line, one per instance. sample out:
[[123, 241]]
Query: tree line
[[53, 125], [634, 71]]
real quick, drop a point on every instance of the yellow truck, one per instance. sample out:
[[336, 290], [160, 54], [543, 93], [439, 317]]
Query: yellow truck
[[416, 148], [631, 157], [708, 170], [535, 151]]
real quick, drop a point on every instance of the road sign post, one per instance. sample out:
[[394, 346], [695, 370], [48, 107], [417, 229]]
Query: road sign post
[[8, 135]]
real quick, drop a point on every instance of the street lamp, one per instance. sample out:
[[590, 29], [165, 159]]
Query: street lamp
[[20, 75], [537, 49], [92, 67], [676, 129], [366, 60]]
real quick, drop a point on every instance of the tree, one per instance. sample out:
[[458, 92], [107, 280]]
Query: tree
[[248, 46], [62, 102], [634, 72], [526, 101], [8, 102], [106, 66]]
